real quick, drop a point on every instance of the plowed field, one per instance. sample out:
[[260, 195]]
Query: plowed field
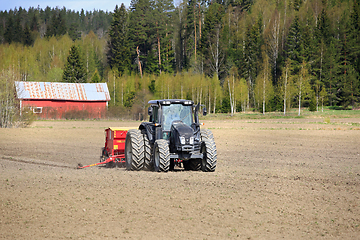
[[275, 178]]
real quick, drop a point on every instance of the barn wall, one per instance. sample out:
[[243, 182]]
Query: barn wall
[[53, 109]]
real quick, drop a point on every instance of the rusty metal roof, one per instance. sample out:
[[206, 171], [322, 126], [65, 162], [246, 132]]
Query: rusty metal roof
[[62, 91]]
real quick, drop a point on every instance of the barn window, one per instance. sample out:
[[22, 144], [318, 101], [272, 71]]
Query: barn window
[[37, 109]]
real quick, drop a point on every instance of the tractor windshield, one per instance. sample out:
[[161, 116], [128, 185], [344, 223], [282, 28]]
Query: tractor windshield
[[175, 112]]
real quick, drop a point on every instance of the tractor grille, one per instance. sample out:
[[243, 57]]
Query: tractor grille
[[197, 147], [189, 148]]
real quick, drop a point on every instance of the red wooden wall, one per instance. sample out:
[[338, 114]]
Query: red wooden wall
[[56, 109]]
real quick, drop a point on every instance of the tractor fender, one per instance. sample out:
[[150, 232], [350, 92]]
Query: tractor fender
[[149, 129]]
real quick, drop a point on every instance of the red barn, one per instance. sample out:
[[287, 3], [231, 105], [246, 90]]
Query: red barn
[[54, 100]]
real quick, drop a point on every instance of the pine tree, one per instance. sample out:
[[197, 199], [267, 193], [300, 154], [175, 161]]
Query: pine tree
[[74, 70]]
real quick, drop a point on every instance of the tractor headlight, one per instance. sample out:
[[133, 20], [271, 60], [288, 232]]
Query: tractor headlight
[[191, 140], [182, 140]]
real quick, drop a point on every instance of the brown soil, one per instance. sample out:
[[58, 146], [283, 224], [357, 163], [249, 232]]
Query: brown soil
[[291, 179]]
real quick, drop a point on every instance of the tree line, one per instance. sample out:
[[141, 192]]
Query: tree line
[[24, 26], [258, 55]]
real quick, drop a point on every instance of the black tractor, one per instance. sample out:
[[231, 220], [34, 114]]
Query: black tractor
[[172, 137]]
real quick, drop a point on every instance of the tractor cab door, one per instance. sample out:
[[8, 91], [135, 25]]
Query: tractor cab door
[[155, 114]]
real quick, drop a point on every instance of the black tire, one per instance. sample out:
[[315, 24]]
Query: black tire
[[192, 165], [134, 150], [206, 134], [161, 156], [104, 155], [209, 160], [148, 164]]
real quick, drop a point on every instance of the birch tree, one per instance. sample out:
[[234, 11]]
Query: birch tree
[[7, 99], [263, 86], [302, 84], [286, 85], [211, 44], [242, 94], [231, 81], [272, 40]]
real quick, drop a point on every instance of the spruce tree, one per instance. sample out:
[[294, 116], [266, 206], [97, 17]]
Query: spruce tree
[[163, 33], [118, 56], [9, 32], [34, 26], [294, 45], [18, 31], [74, 70], [353, 34], [73, 32], [27, 38], [57, 25], [141, 32]]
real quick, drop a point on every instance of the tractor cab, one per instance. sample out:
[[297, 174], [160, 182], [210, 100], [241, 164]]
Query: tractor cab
[[163, 113]]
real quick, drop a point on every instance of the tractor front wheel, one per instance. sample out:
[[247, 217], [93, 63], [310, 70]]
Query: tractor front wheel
[[134, 150], [161, 156], [208, 148]]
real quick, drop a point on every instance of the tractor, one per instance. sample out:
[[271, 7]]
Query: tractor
[[172, 137]]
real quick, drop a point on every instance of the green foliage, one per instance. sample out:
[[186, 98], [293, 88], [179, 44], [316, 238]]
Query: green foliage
[[57, 26], [118, 55], [96, 77], [188, 51], [10, 113], [312, 103], [212, 47], [74, 70]]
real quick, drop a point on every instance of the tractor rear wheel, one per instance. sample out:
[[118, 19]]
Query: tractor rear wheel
[[161, 156], [134, 150], [209, 160]]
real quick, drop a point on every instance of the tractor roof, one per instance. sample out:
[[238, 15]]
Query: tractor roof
[[171, 101]]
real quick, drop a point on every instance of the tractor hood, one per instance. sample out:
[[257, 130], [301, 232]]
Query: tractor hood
[[180, 129], [181, 137]]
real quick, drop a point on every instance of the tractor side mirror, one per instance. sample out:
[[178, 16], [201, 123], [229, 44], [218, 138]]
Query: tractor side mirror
[[204, 111], [150, 111]]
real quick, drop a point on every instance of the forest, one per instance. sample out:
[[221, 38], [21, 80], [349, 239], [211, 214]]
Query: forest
[[231, 55]]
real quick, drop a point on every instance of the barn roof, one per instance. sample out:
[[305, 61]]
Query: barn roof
[[62, 91]]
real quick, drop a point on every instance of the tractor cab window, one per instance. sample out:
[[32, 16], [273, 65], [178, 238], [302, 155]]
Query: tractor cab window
[[155, 118], [176, 112]]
